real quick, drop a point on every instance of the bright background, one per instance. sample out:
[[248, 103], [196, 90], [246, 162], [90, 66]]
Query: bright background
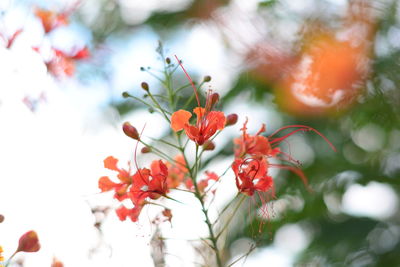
[[260, 55]]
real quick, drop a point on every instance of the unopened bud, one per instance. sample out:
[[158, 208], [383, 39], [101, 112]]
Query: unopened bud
[[151, 110], [231, 119], [145, 86], [130, 131], [207, 78], [125, 95], [146, 149], [214, 98], [142, 69], [168, 60], [1, 218], [28, 242], [209, 145], [56, 263]]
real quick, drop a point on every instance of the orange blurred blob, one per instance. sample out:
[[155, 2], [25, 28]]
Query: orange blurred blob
[[328, 76], [50, 19], [204, 9], [56, 263], [1, 255], [329, 72]]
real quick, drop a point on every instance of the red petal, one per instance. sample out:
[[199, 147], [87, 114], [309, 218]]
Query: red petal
[[199, 111], [105, 184], [111, 163], [122, 213], [264, 184], [212, 176], [179, 119], [217, 118]]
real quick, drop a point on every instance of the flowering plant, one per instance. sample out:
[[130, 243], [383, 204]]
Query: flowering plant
[[249, 168]]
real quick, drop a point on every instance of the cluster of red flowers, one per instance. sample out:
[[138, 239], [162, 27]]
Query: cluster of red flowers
[[144, 184], [148, 184], [250, 166], [60, 63], [251, 158]]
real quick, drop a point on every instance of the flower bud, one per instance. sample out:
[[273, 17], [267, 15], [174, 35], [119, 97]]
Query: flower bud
[[146, 149], [1, 218], [28, 242], [125, 95], [145, 86], [207, 78], [231, 119], [209, 145], [56, 263], [130, 131], [214, 99], [168, 60]]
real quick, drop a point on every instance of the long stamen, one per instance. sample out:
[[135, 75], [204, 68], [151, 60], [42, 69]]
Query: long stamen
[[303, 127], [247, 162], [296, 170], [280, 139], [289, 157], [191, 81], [135, 156]]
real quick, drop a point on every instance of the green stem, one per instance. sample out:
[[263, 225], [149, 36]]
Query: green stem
[[158, 152], [9, 260], [200, 197], [231, 217], [159, 107]]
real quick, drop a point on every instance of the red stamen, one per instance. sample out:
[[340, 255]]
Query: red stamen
[[191, 82], [135, 156], [297, 171], [280, 139], [303, 127]]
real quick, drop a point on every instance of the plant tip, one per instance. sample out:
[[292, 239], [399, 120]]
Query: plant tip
[[231, 119], [207, 78], [145, 86], [130, 131]]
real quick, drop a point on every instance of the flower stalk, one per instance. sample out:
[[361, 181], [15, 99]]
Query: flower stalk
[[250, 166]]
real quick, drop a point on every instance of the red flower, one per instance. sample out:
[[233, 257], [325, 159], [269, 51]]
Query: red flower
[[258, 145], [247, 170], [50, 19], [252, 175], [202, 184], [28, 242], [255, 145], [56, 263], [176, 171], [63, 63], [133, 214], [207, 124], [121, 189], [143, 184], [149, 183]]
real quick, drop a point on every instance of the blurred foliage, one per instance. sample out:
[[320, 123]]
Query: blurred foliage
[[336, 238]]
